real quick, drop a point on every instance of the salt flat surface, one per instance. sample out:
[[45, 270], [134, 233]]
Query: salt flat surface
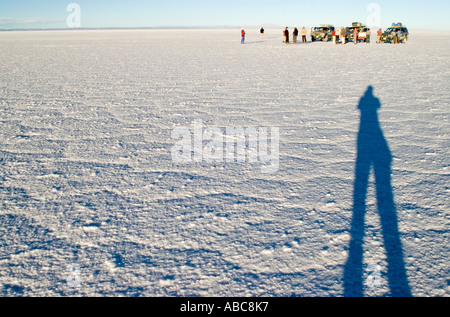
[[89, 192]]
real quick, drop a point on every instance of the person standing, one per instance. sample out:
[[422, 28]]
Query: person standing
[[286, 35], [355, 35], [368, 33], [295, 35], [334, 36], [379, 36], [262, 32], [343, 35], [242, 36], [304, 33], [338, 36], [394, 37]]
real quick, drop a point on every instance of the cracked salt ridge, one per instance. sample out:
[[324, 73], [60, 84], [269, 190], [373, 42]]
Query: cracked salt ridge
[[86, 170]]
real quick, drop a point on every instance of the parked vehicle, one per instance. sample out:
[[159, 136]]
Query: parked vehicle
[[323, 33], [355, 25], [400, 31], [363, 34]]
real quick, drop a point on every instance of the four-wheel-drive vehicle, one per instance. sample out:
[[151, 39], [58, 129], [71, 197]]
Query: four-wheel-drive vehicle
[[355, 25], [323, 33], [364, 34], [397, 33]]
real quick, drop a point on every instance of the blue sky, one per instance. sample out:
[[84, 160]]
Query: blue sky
[[416, 14]]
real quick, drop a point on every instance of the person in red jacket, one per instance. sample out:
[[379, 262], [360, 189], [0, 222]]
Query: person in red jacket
[[355, 35], [242, 36], [379, 33]]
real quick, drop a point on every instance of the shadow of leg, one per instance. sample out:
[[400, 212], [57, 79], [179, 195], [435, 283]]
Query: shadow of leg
[[353, 272], [397, 278]]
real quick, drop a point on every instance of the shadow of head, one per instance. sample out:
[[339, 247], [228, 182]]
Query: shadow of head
[[372, 145], [369, 102]]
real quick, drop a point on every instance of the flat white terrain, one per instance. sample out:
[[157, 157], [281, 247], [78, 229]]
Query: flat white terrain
[[92, 204]]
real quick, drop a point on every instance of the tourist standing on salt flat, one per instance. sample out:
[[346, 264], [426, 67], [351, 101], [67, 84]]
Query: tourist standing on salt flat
[[304, 33], [379, 33], [338, 34], [355, 35], [286, 35], [295, 35], [343, 35]]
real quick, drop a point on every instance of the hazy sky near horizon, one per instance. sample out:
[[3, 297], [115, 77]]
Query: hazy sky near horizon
[[31, 14]]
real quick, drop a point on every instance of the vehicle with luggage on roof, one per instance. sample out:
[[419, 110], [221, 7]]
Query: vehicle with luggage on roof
[[362, 31], [397, 33]]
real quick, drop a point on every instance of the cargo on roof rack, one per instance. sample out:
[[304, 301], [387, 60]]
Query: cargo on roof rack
[[349, 31]]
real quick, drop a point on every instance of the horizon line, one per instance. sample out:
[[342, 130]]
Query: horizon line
[[270, 26]]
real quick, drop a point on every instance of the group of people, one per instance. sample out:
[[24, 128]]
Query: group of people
[[357, 37], [339, 35], [295, 35], [395, 37]]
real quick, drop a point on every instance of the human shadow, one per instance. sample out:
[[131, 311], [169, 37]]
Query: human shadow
[[254, 42], [373, 150]]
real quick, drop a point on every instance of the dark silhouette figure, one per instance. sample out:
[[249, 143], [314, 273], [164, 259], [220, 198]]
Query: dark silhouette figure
[[373, 150]]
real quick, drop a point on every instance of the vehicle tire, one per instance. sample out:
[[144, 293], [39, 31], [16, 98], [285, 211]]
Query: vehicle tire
[[313, 39]]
